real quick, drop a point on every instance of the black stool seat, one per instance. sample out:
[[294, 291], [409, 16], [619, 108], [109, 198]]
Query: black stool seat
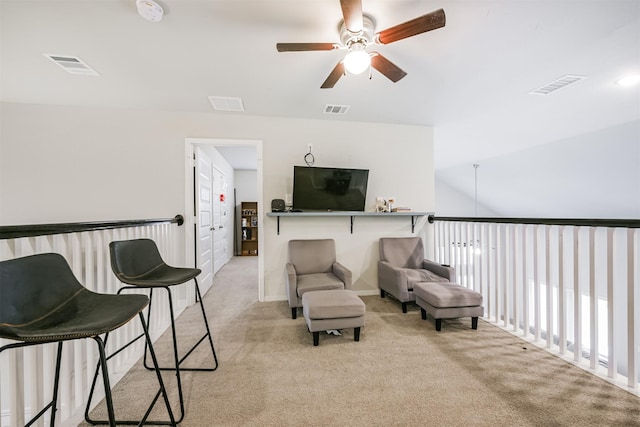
[[84, 315], [161, 275], [42, 302]]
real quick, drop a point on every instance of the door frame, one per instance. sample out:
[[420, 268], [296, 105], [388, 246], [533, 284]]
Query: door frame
[[190, 217]]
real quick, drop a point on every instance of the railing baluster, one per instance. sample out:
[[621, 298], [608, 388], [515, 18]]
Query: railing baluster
[[562, 309], [612, 362], [514, 273], [484, 251], [536, 286], [476, 258], [525, 284], [593, 302], [504, 290], [633, 313], [455, 261], [577, 303], [548, 285]]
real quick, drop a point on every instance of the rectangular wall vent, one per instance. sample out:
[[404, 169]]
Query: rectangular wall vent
[[336, 109], [557, 84], [73, 65], [225, 103]]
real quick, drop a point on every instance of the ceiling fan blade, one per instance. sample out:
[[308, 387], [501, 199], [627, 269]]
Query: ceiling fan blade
[[301, 47], [386, 67], [352, 13], [333, 78], [422, 24]]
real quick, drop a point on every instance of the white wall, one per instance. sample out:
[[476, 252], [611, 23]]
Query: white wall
[[66, 164], [594, 175], [452, 202]]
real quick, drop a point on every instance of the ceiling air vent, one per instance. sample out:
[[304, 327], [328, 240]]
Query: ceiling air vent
[[224, 103], [557, 84], [336, 109], [73, 65]]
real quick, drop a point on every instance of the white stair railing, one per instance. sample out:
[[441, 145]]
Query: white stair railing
[[569, 286], [26, 374]]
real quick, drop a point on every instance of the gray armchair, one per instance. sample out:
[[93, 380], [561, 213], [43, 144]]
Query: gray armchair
[[402, 264], [312, 266]]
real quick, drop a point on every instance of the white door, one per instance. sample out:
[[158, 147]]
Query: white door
[[220, 220], [204, 207]]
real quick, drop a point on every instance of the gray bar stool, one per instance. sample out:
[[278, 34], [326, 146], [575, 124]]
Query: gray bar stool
[[138, 264], [43, 302]]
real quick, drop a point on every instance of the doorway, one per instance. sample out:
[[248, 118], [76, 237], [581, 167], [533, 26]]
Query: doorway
[[222, 201]]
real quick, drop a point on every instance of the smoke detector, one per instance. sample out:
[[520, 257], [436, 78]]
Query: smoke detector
[[150, 10]]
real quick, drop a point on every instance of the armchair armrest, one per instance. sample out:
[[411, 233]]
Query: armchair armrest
[[393, 280], [342, 273], [291, 284], [440, 269]]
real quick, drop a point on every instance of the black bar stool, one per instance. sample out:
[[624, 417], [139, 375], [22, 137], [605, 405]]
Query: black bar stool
[[138, 264], [43, 302]]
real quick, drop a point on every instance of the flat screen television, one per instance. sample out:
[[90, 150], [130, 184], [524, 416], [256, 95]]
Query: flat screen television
[[329, 189]]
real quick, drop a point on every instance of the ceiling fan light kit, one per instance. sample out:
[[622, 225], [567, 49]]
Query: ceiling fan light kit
[[150, 10], [357, 60], [357, 32]]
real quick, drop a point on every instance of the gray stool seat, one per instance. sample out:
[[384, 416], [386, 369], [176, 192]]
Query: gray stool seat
[[448, 301], [332, 309]]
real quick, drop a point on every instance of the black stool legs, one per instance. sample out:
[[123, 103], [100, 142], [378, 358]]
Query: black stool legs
[[102, 364], [177, 359], [173, 332]]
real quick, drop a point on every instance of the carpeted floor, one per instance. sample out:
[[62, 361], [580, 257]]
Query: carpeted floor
[[402, 372]]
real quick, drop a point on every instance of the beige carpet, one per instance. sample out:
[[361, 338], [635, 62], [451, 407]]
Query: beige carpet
[[402, 372]]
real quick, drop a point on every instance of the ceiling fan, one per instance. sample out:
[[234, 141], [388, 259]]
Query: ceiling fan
[[357, 32]]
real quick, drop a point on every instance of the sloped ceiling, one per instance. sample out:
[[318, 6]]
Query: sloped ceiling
[[469, 80]]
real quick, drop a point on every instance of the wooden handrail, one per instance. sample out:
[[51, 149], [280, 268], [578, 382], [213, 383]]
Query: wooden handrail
[[17, 231], [579, 222]]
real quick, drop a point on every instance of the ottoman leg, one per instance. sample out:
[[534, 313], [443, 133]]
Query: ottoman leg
[[423, 313], [474, 323], [438, 324], [404, 307], [356, 334], [316, 338], [294, 312], [381, 293]]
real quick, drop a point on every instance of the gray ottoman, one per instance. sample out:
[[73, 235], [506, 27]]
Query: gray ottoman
[[333, 309], [448, 301]]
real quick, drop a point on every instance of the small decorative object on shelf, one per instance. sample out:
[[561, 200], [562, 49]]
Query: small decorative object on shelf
[[249, 222]]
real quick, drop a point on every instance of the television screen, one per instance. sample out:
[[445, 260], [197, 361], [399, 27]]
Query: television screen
[[329, 189]]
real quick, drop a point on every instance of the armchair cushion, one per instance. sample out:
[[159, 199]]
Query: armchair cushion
[[421, 275], [318, 282]]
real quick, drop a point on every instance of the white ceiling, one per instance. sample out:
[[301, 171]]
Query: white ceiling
[[470, 79]]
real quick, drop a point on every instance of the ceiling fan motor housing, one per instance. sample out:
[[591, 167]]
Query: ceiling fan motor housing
[[366, 36]]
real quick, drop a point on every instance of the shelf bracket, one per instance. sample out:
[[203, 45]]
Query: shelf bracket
[[413, 223], [278, 225], [351, 224]]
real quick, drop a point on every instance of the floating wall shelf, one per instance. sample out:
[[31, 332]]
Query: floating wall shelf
[[351, 214]]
